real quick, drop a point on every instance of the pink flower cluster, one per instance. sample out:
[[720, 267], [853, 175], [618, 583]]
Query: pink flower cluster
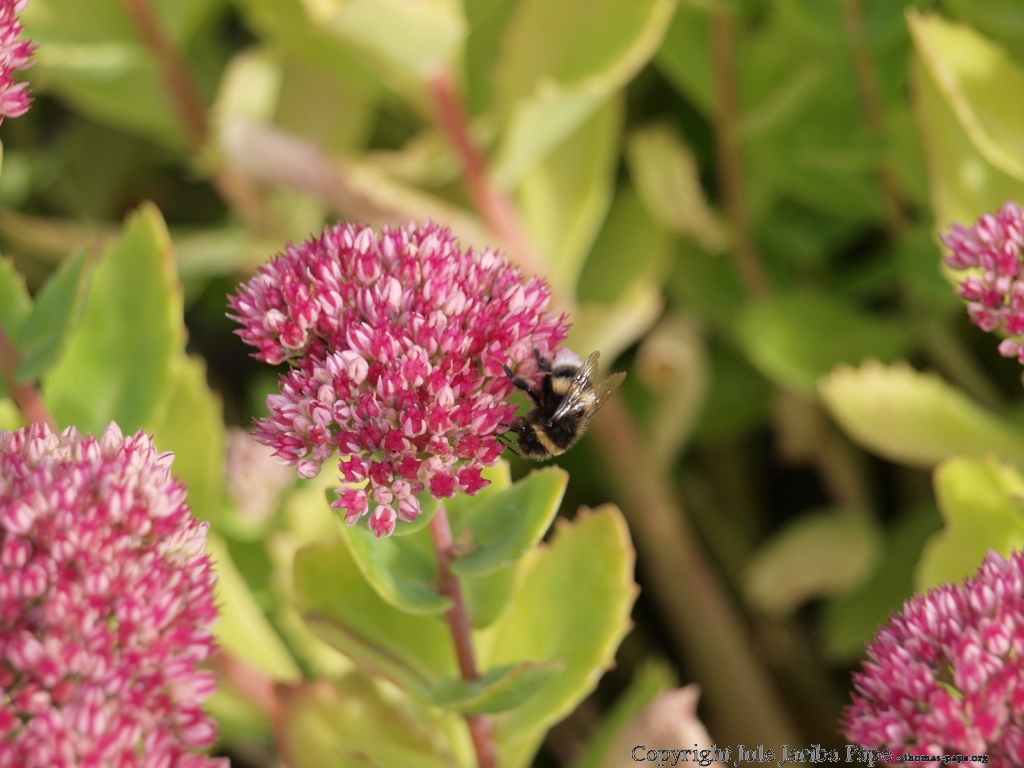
[[397, 342], [995, 293], [14, 54], [106, 606], [947, 675]]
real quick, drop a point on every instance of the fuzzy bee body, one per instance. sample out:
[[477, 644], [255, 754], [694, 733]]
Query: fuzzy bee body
[[564, 403]]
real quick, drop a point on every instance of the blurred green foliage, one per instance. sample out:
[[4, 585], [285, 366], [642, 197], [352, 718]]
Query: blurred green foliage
[[603, 121]]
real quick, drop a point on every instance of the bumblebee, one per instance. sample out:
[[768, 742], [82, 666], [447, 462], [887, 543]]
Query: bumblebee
[[564, 403]]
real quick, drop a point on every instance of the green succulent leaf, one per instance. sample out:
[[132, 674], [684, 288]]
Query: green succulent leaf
[[41, 338], [795, 339], [15, 302], [340, 606], [914, 418], [354, 723], [572, 604], [982, 505], [962, 184], [193, 428], [565, 198], [504, 526], [559, 64], [120, 365], [487, 596], [980, 82], [403, 570], [497, 690], [243, 630], [822, 554]]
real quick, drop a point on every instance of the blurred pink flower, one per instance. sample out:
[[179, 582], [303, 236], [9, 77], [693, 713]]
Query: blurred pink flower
[[14, 55], [995, 289], [397, 342], [106, 606], [946, 676], [255, 479]]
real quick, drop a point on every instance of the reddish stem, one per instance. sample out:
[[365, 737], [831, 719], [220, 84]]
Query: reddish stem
[[480, 726], [256, 687], [492, 203], [27, 396]]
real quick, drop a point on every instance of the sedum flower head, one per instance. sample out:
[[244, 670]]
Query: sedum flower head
[[106, 606], [994, 289], [397, 342], [946, 676], [14, 55]]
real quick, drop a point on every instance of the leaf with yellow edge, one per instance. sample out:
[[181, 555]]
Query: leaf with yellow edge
[[982, 504], [912, 417]]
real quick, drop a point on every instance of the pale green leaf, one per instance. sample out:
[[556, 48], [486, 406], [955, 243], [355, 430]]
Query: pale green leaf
[[914, 418], [120, 364], [565, 198], [58, 311], [243, 630], [193, 428], [15, 302], [821, 554], [612, 328], [559, 63], [572, 604], [982, 84], [347, 613], [795, 339], [982, 504]]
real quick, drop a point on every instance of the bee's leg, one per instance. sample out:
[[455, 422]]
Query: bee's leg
[[522, 384], [506, 441], [543, 362]]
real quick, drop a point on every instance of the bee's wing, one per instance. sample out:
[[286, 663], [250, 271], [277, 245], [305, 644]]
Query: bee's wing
[[606, 389], [579, 384]]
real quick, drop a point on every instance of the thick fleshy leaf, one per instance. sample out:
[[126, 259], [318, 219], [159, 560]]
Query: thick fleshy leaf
[[982, 504], [666, 176], [651, 679], [487, 596], [402, 569], [572, 604], [962, 184], [685, 56], [120, 364], [352, 722], [193, 428], [565, 198], [343, 609], [822, 554], [982, 84], [559, 63], [612, 328], [10, 417], [243, 630], [850, 621], [503, 527], [912, 417], [497, 690], [55, 316], [795, 339]]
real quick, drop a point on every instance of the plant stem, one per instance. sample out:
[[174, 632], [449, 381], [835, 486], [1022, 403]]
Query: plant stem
[[188, 101], [699, 611], [258, 688], [492, 203], [727, 150], [480, 726], [27, 396], [867, 83]]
